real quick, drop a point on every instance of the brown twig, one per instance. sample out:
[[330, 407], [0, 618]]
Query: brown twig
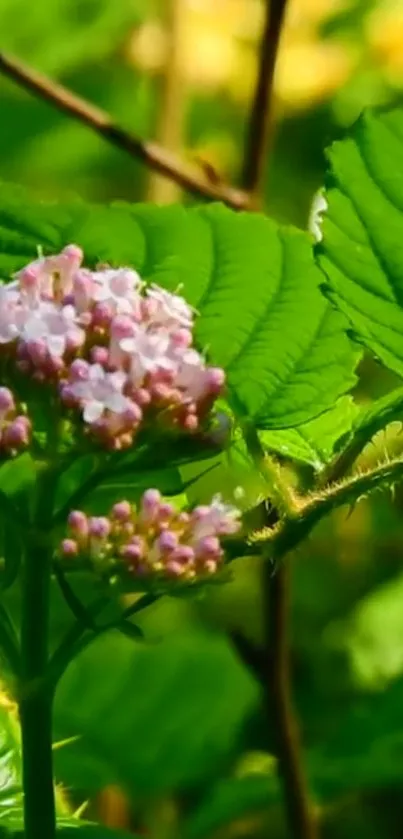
[[280, 712], [261, 113], [277, 676], [152, 154]]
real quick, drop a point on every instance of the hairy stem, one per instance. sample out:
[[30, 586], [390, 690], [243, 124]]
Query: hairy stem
[[279, 708], [261, 114], [289, 533], [35, 698]]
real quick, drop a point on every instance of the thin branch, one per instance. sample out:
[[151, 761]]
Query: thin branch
[[80, 634], [279, 708], [153, 155], [261, 115], [80, 612]]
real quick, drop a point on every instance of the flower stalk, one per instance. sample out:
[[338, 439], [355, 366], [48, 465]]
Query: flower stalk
[[35, 695]]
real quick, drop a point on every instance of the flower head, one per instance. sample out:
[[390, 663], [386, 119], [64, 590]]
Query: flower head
[[153, 541], [119, 354]]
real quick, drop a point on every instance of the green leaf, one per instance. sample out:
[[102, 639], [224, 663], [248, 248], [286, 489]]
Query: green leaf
[[377, 416], [92, 831], [11, 541], [371, 636], [365, 749], [249, 279], [232, 800], [150, 718], [59, 38], [314, 442], [10, 759], [361, 252]]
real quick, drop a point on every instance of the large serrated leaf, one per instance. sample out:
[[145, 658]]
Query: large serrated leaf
[[362, 248], [255, 285]]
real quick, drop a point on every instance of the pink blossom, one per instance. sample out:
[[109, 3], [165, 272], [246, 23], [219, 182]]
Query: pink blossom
[[54, 325], [119, 288], [101, 392], [168, 310]]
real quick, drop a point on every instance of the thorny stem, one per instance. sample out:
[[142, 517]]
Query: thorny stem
[[287, 535], [153, 155], [261, 114]]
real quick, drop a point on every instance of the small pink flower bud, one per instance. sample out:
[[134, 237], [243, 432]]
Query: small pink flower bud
[[37, 352], [132, 415], [215, 379], [79, 370], [99, 527], [131, 552], [182, 338], [167, 541], [151, 499], [184, 554], [74, 255], [122, 327], [6, 400], [122, 511], [166, 510], [82, 290], [102, 314], [208, 545], [78, 523], [69, 548], [17, 434], [99, 355]]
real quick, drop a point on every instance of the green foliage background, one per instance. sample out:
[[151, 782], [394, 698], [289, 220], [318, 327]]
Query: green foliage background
[[178, 726]]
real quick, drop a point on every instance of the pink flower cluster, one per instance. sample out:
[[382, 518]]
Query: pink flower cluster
[[15, 428], [118, 351], [153, 541]]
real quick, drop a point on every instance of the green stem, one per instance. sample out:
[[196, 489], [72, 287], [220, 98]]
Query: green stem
[[35, 700]]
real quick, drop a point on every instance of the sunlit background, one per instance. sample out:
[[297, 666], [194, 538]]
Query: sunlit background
[[183, 72]]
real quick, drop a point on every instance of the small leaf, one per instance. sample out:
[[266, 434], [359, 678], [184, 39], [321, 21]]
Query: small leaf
[[361, 252], [314, 442], [378, 415]]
